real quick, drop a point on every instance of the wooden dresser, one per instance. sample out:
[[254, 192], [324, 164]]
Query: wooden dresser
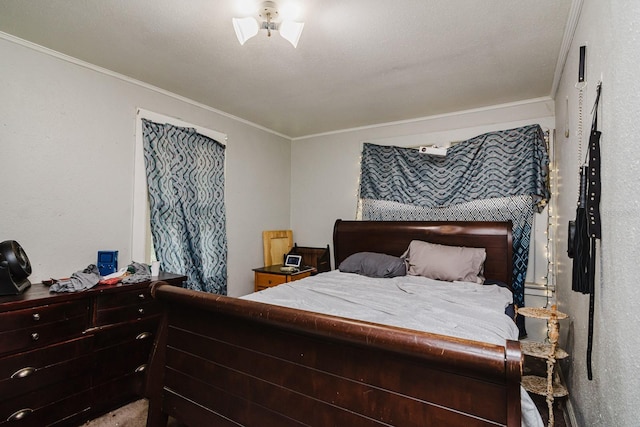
[[65, 358]]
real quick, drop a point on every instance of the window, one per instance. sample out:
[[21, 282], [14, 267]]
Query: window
[[142, 243]]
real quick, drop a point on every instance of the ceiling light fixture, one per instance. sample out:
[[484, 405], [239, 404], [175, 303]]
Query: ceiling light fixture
[[248, 27]]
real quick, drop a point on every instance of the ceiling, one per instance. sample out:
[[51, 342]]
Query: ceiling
[[358, 62]]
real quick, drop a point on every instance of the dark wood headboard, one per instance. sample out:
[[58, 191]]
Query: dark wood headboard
[[393, 238]]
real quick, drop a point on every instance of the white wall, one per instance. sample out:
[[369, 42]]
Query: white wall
[[67, 137], [611, 32], [325, 168]]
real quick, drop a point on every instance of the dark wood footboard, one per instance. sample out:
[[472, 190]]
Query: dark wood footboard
[[222, 361]]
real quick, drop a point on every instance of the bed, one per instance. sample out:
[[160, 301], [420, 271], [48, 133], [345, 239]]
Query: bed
[[221, 361]]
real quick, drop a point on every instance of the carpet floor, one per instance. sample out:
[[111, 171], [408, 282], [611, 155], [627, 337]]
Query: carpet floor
[[132, 415]]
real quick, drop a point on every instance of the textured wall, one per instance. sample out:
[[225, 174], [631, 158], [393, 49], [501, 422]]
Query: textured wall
[[611, 31], [67, 134]]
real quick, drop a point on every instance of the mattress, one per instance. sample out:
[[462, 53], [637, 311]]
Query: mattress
[[459, 309]]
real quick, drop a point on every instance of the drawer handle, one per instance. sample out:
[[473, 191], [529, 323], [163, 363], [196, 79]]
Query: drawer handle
[[24, 372], [18, 415], [143, 335], [141, 310], [141, 368], [36, 316], [269, 281], [35, 336], [141, 296]]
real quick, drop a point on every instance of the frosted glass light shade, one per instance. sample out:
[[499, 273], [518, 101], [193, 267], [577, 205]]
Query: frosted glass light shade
[[245, 28], [291, 31]]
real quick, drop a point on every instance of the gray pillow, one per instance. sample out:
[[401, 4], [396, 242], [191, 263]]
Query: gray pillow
[[373, 264], [441, 262]]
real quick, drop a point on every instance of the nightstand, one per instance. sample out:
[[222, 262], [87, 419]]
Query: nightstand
[[266, 277]]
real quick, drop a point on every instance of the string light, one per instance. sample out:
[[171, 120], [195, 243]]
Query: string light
[[552, 223]]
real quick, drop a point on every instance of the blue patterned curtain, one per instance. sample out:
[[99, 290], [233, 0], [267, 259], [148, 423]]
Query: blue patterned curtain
[[505, 163], [185, 177], [496, 176]]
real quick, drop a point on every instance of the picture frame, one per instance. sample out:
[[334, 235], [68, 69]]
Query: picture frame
[[293, 261]]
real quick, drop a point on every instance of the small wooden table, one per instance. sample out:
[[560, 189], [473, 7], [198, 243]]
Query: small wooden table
[[550, 351], [266, 277]]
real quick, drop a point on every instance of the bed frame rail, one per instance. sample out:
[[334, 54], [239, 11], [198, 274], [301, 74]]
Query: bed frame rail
[[221, 361]]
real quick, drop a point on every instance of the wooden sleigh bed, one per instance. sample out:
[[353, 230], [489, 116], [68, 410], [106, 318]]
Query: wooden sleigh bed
[[222, 361]]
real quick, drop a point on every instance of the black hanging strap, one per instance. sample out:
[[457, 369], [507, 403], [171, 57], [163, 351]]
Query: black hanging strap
[[587, 227], [591, 310], [594, 228], [594, 185]]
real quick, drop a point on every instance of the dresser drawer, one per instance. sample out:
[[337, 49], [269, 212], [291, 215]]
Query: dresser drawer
[[25, 372], [125, 306], [39, 407], [35, 316], [128, 313], [266, 280], [71, 410], [140, 330], [125, 297], [299, 276], [118, 361], [44, 325]]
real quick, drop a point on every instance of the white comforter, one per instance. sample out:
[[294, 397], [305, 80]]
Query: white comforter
[[459, 309]]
